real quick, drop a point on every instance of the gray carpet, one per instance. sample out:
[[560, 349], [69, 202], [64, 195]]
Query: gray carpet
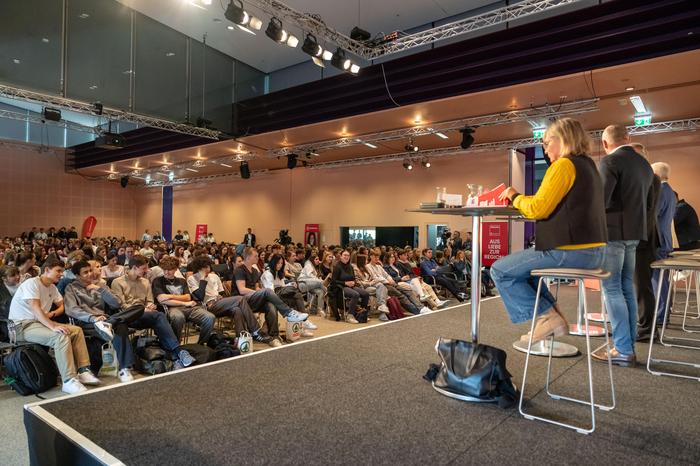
[[360, 398]]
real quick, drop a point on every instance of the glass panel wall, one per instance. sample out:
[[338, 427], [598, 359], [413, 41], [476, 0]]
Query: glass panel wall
[[160, 71], [98, 59], [250, 82], [30, 44], [218, 89]]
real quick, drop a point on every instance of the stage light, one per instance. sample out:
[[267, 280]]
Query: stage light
[[255, 23], [311, 47], [52, 114], [275, 31], [359, 34], [327, 55], [340, 61], [171, 176], [408, 165], [236, 14], [124, 181], [291, 161], [318, 62], [426, 163], [411, 147], [467, 138], [292, 41], [354, 69], [245, 170]]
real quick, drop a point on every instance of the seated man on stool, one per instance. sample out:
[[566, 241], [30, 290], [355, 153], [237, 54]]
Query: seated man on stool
[[205, 287], [133, 289], [28, 311], [171, 291], [88, 301], [247, 283]]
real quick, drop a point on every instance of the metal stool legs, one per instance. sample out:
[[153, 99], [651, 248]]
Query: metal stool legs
[[591, 403], [650, 359]]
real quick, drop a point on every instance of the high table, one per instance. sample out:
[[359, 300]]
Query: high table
[[476, 213]]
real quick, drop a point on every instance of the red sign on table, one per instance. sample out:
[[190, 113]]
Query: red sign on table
[[494, 242], [200, 232]]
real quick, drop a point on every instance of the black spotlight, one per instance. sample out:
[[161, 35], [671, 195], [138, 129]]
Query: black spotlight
[[467, 138], [311, 46], [426, 163], [124, 181], [359, 34], [340, 61], [408, 165], [291, 161], [236, 14], [275, 31], [52, 114], [411, 148], [245, 170]]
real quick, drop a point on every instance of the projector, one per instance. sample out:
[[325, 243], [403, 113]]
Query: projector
[[110, 141]]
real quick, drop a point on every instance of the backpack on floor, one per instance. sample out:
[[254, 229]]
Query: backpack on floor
[[468, 370], [202, 354], [395, 310], [30, 370], [150, 357]]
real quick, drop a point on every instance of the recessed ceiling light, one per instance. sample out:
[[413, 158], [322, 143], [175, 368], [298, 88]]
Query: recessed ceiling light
[[370, 145], [93, 87], [45, 40], [225, 165], [629, 89], [229, 27], [83, 16], [192, 170], [441, 135], [16, 61]]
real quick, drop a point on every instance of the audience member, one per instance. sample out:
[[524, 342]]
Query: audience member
[[687, 226], [344, 278], [665, 210]]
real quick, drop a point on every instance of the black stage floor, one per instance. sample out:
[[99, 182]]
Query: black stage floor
[[360, 398]]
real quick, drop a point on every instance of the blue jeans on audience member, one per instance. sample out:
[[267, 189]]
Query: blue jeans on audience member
[[511, 274], [160, 325], [620, 295]]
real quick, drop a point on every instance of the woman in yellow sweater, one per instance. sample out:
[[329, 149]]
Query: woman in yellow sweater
[[570, 233]]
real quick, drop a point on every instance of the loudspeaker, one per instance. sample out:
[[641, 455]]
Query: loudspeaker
[[245, 170], [124, 181]]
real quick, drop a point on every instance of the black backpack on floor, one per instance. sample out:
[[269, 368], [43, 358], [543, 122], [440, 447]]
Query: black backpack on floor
[[202, 354], [30, 370]]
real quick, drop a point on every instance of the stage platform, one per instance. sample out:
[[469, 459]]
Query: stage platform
[[359, 398]]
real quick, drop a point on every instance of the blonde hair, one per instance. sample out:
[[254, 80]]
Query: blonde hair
[[574, 140], [662, 170]]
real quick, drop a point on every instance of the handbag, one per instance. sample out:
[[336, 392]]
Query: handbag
[[245, 343], [472, 371], [110, 364]]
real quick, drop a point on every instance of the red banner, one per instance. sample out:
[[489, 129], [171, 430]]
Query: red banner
[[311, 234], [494, 242], [200, 231]]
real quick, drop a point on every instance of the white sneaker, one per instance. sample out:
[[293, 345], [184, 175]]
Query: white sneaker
[[73, 386], [350, 319], [383, 317], [88, 378], [104, 329], [441, 302], [321, 314], [424, 298], [383, 308], [305, 332], [125, 375], [294, 316], [307, 324], [425, 310], [275, 343]]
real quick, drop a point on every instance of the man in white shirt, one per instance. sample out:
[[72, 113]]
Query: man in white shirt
[[146, 236], [28, 310]]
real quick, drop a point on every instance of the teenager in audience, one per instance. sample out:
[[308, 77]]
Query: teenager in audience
[[93, 306], [400, 290], [147, 251], [9, 282], [112, 269], [26, 263], [310, 282], [274, 279], [462, 268], [128, 255], [429, 268], [344, 277], [292, 268], [29, 311], [424, 291], [247, 284], [133, 289]]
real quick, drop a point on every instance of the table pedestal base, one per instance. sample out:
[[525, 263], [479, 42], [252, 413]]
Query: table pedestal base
[[580, 330], [541, 348]]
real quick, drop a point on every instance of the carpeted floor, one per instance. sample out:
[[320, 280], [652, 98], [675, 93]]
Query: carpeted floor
[[360, 398]]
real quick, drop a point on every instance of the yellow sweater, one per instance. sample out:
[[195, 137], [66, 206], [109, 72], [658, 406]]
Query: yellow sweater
[[557, 182]]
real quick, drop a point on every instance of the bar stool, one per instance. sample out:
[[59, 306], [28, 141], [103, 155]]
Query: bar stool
[[580, 275], [668, 266]]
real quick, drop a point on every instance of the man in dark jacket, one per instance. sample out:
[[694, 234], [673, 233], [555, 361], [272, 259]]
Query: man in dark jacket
[[665, 208], [687, 227], [627, 189]]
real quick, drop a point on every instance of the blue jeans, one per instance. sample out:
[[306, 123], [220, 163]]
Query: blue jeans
[[511, 274], [160, 325], [620, 295]]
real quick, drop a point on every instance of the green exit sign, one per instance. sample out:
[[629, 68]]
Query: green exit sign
[[642, 119], [538, 133]]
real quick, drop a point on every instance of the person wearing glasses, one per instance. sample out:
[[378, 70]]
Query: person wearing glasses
[[571, 229]]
